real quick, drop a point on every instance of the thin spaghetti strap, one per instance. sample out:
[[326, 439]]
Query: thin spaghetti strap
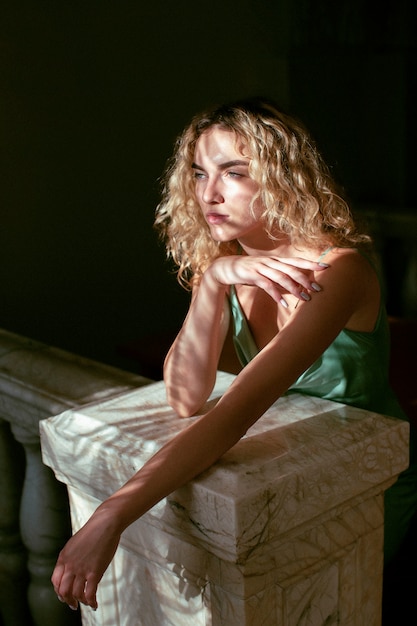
[[323, 254]]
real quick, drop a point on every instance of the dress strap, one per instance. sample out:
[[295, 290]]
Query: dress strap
[[323, 254]]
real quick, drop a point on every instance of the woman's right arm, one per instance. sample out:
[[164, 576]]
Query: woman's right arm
[[196, 350], [191, 364]]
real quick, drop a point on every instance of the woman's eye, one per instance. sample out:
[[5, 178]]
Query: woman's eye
[[234, 174], [198, 175]]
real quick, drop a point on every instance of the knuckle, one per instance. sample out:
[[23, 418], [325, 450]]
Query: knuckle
[[264, 282]]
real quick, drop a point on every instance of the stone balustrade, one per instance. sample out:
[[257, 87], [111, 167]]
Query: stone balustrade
[[37, 381], [285, 530]]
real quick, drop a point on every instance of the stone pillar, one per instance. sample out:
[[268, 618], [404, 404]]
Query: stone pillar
[[14, 610], [45, 527], [285, 529], [37, 381]]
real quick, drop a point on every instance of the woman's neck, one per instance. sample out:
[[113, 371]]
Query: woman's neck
[[280, 247]]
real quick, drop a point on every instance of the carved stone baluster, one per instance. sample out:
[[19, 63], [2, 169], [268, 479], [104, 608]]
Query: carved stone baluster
[[14, 610], [45, 526]]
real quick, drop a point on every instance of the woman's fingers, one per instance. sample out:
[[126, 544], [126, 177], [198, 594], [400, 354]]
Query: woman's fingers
[[300, 263], [64, 588], [83, 561], [290, 275], [73, 590], [71, 587], [278, 283], [85, 592], [90, 594], [276, 276]]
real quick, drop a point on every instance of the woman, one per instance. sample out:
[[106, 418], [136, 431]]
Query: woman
[[252, 218]]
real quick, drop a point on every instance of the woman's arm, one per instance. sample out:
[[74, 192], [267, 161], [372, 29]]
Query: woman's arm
[[197, 347], [199, 343], [346, 292]]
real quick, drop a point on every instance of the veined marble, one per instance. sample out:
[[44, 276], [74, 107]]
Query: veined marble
[[286, 528], [37, 381]]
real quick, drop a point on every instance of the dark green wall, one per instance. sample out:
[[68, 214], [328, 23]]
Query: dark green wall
[[92, 95]]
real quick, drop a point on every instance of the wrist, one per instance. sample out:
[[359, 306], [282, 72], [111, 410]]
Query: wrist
[[110, 515], [212, 281]]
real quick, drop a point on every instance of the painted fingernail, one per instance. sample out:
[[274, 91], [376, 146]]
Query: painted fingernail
[[315, 286], [305, 296], [60, 598], [324, 265], [284, 303], [73, 608]]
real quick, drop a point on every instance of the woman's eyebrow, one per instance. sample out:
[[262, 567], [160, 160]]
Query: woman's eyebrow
[[223, 166]]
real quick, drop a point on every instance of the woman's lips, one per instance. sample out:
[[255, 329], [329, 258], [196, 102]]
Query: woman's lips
[[216, 218]]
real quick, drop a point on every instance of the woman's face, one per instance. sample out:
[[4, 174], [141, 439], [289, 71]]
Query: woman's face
[[224, 189]]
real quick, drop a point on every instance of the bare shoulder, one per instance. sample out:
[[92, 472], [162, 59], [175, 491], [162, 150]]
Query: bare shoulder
[[354, 273], [351, 261]]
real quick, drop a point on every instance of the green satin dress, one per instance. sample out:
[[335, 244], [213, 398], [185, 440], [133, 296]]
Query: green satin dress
[[353, 370]]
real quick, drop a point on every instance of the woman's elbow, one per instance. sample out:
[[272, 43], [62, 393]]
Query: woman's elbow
[[184, 393], [183, 405]]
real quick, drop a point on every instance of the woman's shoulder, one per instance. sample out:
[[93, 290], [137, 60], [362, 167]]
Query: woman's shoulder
[[355, 273], [335, 251], [353, 263], [354, 258]]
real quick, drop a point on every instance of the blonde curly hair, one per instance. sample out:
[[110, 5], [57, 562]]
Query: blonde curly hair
[[296, 189]]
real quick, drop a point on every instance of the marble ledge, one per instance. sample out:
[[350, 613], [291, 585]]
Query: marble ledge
[[303, 457], [37, 380], [328, 573]]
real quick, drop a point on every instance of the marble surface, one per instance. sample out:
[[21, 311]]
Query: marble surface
[[37, 381], [286, 528], [48, 380]]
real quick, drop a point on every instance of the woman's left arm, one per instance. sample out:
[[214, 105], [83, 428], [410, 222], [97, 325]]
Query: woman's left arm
[[306, 335]]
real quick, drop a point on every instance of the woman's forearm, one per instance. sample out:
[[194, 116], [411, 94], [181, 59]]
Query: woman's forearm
[[191, 363], [187, 455], [86, 556], [196, 448]]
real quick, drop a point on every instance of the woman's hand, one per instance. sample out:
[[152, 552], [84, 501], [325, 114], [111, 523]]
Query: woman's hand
[[198, 345], [83, 561], [272, 274]]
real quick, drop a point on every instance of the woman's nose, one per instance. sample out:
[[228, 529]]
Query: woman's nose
[[212, 193]]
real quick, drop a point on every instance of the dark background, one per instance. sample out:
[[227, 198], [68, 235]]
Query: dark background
[[92, 96]]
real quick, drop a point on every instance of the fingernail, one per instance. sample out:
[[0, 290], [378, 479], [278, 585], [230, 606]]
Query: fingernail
[[316, 287], [60, 598], [324, 265], [73, 608], [305, 296], [284, 303]]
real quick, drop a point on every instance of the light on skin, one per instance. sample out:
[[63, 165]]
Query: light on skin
[[225, 190], [350, 298]]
